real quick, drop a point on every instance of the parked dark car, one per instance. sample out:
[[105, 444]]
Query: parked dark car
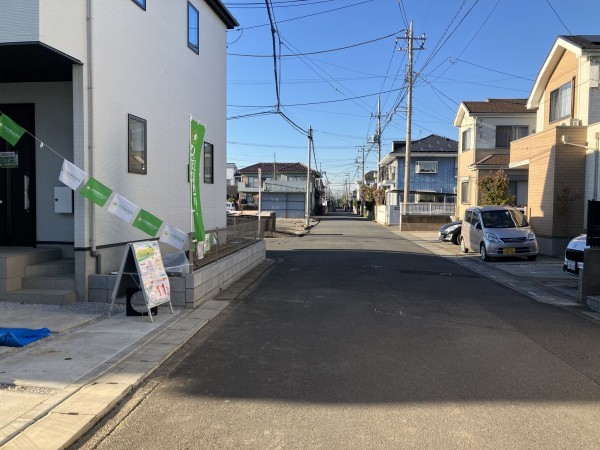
[[450, 232]]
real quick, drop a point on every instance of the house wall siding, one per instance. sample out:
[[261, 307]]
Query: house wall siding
[[145, 68], [552, 168], [565, 71], [19, 21]]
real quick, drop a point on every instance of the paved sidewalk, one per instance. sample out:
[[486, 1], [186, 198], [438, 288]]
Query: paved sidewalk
[[55, 390]]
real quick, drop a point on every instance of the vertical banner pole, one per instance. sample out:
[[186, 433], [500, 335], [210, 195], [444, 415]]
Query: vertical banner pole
[[191, 178]]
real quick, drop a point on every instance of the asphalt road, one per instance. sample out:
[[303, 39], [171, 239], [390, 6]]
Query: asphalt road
[[358, 338]]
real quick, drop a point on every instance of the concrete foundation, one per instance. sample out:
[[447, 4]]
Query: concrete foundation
[[416, 222]]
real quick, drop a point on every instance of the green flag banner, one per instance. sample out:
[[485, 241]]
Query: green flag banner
[[95, 192], [148, 223], [9, 130], [196, 142]]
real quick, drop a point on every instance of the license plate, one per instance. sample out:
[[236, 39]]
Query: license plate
[[508, 251], [571, 265]]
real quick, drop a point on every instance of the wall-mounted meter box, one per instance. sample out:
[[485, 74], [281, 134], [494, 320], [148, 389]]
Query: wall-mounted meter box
[[63, 200]]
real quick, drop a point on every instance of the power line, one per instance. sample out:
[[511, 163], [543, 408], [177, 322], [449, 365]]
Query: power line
[[317, 52]]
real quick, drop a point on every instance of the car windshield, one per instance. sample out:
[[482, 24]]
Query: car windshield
[[503, 218]]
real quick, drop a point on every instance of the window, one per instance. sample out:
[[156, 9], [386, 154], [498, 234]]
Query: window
[[466, 140], [426, 167], [193, 28], [136, 151], [464, 192], [506, 134], [208, 163], [141, 4], [560, 102]]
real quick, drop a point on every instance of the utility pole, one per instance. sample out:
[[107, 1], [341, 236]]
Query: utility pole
[[409, 79], [378, 139], [308, 178], [362, 200]]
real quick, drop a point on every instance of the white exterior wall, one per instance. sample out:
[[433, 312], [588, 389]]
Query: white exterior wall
[[63, 25], [54, 127], [142, 66]]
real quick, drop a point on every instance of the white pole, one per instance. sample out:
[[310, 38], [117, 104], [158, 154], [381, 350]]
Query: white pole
[[259, 198], [308, 179]]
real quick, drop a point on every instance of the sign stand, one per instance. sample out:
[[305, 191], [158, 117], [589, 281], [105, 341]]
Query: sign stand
[[143, 262]]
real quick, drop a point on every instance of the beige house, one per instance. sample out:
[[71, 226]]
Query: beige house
[[561, 157], [486, 129]]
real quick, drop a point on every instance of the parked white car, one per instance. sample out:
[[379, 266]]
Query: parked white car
[[229, 207], [574, 255]]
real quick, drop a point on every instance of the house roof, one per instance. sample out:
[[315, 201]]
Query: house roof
[[267, 167], [492, 106], [430, 144], [493, 160], [578, 45], [223, 13]]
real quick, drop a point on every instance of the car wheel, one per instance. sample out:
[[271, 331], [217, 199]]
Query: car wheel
[[455, 239], [531, 258], [483, 252], [463, 246]]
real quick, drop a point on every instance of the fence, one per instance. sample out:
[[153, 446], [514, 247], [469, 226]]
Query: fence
[[240, 232], [390, 214]]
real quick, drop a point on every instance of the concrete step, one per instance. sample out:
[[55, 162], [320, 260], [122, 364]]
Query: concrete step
[[60, 282], [58, 297], [56, 267]]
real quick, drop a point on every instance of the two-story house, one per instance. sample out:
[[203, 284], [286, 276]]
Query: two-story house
[[432, 171], [108, 86], [561, 157], [282, 186], [486, 129]]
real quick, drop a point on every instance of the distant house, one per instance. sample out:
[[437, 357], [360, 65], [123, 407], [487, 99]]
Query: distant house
[[485, 131], [432, 171], [283, 187], [560, 158], [230, 171]]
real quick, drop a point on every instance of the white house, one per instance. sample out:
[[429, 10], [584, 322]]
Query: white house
[[110, 86]]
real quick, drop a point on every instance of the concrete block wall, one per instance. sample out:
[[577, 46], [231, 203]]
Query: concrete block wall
[[207, 282], [189, 290]]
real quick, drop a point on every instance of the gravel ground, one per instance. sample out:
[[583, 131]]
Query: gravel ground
[[291, 227]]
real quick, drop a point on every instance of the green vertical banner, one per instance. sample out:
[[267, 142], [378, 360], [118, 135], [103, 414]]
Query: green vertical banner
[[95, 192], [9, 130], [196, 143], [148, 223]]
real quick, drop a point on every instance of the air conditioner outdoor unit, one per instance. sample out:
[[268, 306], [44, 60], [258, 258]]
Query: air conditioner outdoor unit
[[574, 123], [454, 189]]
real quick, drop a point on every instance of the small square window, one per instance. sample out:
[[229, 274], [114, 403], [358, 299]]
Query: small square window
[[193, 28], [141, 3], [208, 163], [136, 151]]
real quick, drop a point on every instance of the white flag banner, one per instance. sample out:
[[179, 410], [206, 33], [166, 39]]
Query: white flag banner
[[71, 175], [174, 236], [122, 208]]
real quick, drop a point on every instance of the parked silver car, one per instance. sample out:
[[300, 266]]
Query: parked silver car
[[497, 232]]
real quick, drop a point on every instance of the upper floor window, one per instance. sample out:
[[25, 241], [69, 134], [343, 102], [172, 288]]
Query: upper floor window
[[193, 28], [136, 151], [466, 139], [561, 100], [141, 4], [426, 167], [507, 133], [209, 163]]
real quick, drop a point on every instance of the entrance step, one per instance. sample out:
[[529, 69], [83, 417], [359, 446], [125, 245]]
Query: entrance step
[[64, 281], [60, 297], [56, 267]]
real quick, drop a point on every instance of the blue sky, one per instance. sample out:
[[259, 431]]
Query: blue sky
[[474, 50]]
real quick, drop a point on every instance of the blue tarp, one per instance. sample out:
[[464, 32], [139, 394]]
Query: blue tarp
[[20, 337]]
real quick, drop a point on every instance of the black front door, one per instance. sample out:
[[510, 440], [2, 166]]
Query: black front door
[[17, 180]]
